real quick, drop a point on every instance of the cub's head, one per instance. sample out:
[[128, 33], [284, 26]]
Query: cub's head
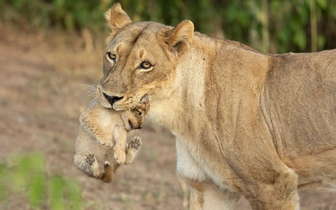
[[134, 118], [141, 58]]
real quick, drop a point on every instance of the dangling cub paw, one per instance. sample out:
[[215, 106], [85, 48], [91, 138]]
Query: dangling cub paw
[[91, 160], [119, 155], [135, 144]]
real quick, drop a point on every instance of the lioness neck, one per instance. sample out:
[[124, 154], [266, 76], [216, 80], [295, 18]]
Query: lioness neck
[[179, 111], [209, 76]]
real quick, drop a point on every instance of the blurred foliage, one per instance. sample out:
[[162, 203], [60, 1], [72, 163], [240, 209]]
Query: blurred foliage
[[267, 25], [24, 180]]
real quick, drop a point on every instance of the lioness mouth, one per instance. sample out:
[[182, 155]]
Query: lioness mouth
[[112, 99]]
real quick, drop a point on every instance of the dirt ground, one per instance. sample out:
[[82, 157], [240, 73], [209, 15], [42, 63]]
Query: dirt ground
[[44, 88]]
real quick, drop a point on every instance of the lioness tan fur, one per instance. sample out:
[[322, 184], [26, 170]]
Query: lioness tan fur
[[246, 123], [101, 130]]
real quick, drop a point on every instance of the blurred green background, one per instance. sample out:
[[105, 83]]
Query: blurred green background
[[25, 177], [275, 26]]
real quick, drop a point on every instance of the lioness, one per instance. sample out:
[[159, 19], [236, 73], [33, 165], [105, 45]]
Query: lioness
[[246, 123], [101, 129]]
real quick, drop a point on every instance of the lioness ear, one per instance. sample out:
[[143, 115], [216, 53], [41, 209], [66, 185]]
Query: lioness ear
[[180, 37], [117, 17]]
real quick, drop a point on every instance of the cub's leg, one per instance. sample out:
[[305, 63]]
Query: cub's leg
[[119, 149], [93, 164], [87, 163], [132, 150], [81, 164]]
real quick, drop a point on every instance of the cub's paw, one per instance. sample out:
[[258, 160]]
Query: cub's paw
[[90, 158], [105, 141], [135, 143], [119, 155]]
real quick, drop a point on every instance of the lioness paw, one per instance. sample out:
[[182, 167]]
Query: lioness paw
[[119, 155], [135, 143]]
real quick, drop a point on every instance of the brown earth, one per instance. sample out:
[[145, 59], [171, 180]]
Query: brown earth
[[42, 92]]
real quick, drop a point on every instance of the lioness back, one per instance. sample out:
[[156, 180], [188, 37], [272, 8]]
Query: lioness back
[[300, 107]]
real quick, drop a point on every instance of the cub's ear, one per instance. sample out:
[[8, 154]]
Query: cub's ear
[[179, 38], [144, 99], [116, 17]]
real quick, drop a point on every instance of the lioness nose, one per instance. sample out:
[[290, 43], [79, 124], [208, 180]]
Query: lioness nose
[[112, 99]]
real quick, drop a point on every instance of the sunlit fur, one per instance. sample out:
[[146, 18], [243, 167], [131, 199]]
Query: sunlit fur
[[246, 123]]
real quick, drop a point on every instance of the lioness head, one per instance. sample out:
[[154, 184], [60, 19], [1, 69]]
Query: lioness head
[[140, 59]]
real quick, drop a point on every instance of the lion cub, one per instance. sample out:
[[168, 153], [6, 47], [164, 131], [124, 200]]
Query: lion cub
[[101, 144]]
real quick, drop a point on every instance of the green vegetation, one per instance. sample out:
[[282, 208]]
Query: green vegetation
[[24, 180], [268, 25], [275, 25]]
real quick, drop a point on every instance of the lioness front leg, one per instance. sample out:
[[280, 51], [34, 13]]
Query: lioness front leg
[[280, 195], [207, 196], [119, 149], [204, 194], [132, 149]]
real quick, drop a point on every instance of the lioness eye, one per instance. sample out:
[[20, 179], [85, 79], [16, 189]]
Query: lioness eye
[[146, 65], [111, 56]]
